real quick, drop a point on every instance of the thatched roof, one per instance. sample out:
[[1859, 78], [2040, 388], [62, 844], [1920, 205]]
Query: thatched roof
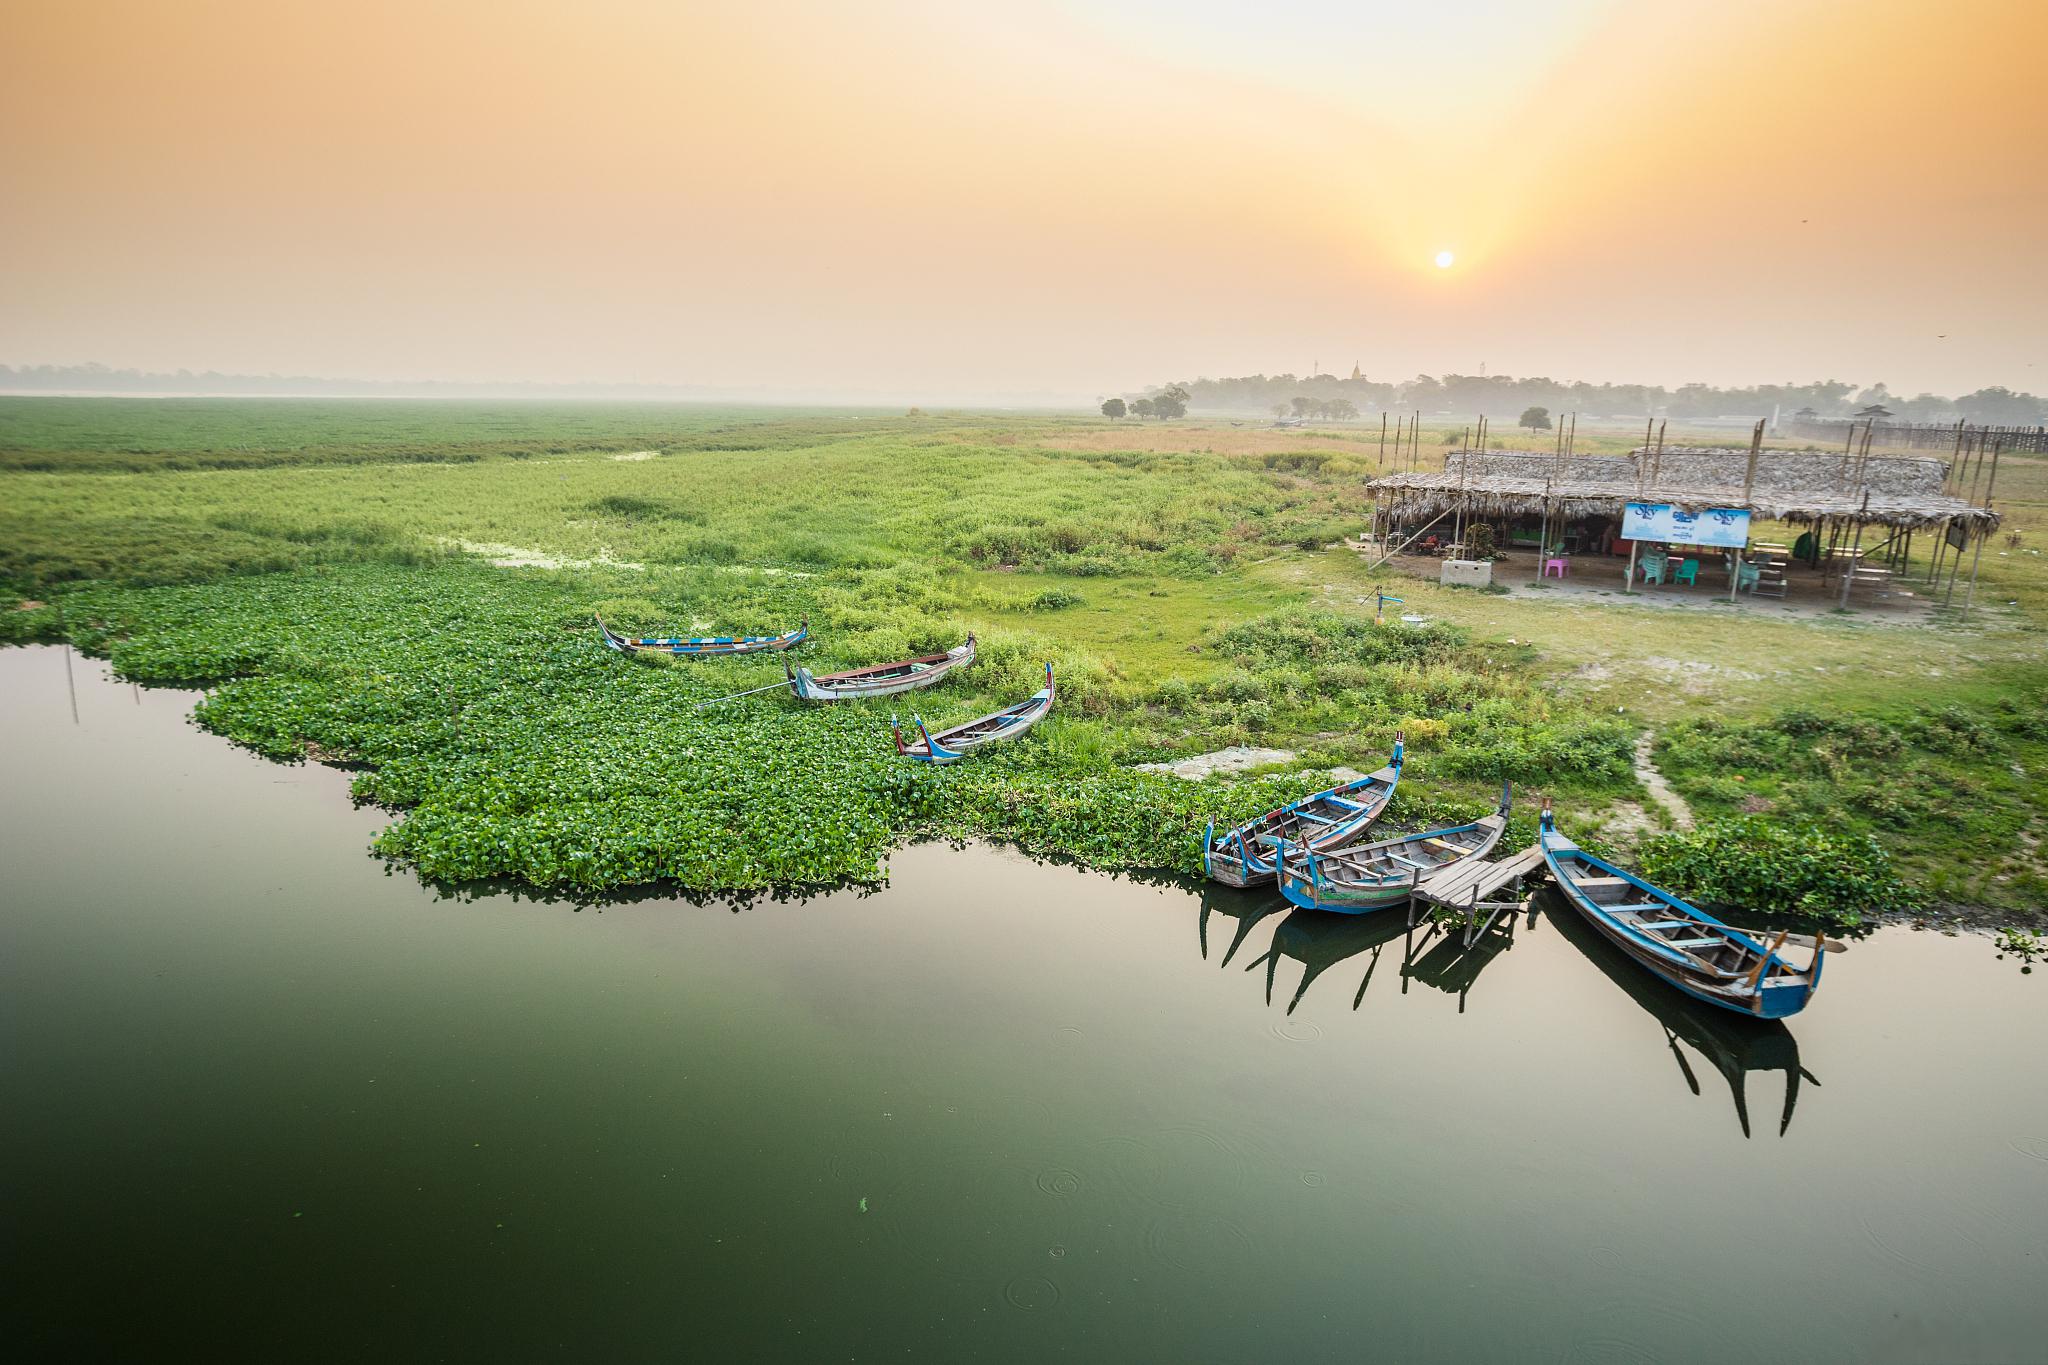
[[1789, 485]]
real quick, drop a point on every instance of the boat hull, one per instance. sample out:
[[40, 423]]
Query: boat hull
[[950, 746], [1728, 990], [1240, 857], [806, 686], [1340, 900], [704, 646], [1775, 1002]]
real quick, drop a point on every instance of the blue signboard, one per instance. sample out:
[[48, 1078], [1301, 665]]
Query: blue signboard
[[1725, 526]]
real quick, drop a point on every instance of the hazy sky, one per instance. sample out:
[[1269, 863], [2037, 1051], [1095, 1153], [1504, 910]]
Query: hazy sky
[[942, 197]]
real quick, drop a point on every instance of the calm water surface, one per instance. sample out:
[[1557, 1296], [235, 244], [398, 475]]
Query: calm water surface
[[266, 1100]]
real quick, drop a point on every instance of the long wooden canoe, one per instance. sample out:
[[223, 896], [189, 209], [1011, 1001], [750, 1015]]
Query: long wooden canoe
[[703, 646], [1682, 944], [878, 680], [1352, 879], [1244, 856], [950, 746], [1737, 1046]]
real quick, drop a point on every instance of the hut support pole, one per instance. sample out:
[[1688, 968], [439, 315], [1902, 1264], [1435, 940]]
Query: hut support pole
[[1849, 565], [1970, 594], [1756, 444], [1975, 560], [1628, 584], [1410, 541]]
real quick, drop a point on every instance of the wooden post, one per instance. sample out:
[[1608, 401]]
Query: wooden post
[[1383, 438], [1629, 586], [1977, 559], [1756, 442], [1849, 565]]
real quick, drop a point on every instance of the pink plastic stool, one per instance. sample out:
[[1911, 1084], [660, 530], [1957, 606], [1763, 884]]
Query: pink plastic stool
[[1563, 567]]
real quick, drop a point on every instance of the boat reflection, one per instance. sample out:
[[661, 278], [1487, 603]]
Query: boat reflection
[[1734, 1045], [1319, 941], [1246, 909]]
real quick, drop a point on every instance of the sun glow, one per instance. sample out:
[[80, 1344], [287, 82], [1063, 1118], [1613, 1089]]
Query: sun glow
[[1444, 259]]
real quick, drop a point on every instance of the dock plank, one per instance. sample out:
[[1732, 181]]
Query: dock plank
[[1465, 882]]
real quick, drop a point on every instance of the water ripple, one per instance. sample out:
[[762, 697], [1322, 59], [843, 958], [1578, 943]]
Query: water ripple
[[1058, 1180], [1295, 1030], [1031, 1293]]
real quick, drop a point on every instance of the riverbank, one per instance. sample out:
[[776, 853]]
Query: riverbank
[[1185, 597]]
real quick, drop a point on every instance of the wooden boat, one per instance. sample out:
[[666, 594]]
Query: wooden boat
[[950, 746], [1735, 1045], [1686, 946], [1355, 878], [702, 646], [878, 680], [1244, 856]]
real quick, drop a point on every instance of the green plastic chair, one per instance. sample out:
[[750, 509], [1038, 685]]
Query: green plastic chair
[[1653, 568], [1688, 572], [1747, 578]]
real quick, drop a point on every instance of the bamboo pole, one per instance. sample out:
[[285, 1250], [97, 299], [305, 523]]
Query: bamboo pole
[[1849, 566], [1756, 442], [1976, 560], [1383, 438]]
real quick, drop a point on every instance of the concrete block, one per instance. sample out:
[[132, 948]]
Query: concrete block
[[1467, 573]]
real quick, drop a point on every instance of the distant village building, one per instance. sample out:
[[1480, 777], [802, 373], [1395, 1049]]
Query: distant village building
[[1876, 412]]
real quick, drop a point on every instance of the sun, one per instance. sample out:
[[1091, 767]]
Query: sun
[[1444, 259]]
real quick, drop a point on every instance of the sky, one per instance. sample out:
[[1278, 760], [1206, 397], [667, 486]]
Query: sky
[[1051, 198]]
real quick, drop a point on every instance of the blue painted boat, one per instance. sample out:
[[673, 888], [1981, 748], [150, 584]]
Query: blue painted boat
[[878, 680], [950, 746], [1245, 856], [1685, 945], [1352, 879], [703, 646]]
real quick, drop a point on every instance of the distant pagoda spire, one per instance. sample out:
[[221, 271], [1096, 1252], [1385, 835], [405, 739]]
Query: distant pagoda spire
[[1356, 373]]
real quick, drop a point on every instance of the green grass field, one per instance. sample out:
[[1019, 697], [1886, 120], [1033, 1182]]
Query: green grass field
[[333, 572]]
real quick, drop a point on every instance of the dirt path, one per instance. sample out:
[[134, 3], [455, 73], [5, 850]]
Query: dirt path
[[1653, 782]]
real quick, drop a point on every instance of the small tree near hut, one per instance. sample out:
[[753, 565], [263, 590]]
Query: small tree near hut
[[1113, 407], [1536, 419], [1141, 407]]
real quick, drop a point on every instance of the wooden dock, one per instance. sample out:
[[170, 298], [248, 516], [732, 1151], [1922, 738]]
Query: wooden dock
[[1474, 887]]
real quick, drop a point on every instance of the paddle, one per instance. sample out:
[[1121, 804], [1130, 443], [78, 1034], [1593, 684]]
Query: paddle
[[1832, 945], [771, 687]]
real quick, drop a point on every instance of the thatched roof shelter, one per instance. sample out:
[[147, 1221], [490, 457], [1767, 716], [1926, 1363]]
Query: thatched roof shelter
[[1788, 485]]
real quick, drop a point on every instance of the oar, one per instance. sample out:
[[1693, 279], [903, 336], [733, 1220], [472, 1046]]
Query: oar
[[771, 687], [1832, 945]]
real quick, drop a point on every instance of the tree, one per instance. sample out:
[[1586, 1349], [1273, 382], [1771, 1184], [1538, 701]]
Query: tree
[[2000, 406], [1343, 410], [1281, 410], [1112, 407], [1169, 404], [1300, 405], [1536, 419], [1141, 407]]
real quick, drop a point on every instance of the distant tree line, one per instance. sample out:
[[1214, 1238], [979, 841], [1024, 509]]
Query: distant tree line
[[1504, 396]]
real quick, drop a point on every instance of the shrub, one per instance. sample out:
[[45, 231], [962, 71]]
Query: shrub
[[1766, 866]]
